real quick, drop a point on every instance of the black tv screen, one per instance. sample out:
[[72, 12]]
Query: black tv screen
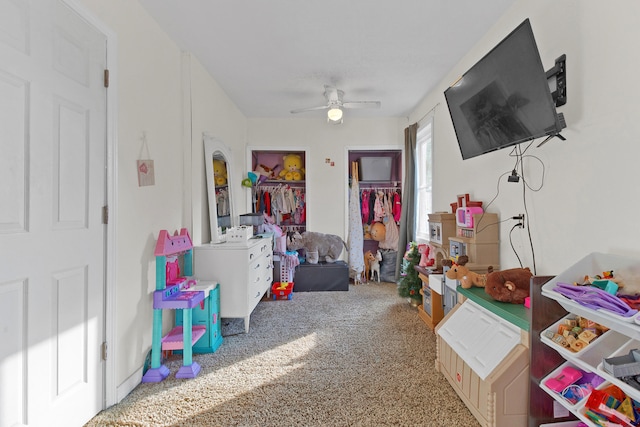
[[504, 99]]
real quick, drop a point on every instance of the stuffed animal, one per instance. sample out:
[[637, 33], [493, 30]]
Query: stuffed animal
[[264, 172], [378, 231], [426, 260], [327, 246], [293, 169], [510, 285], [466, 277], [219, 172]]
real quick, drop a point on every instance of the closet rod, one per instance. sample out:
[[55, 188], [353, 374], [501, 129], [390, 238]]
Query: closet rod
[[380, 188]]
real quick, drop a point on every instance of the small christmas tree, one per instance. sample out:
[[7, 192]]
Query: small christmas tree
[[410, 284]]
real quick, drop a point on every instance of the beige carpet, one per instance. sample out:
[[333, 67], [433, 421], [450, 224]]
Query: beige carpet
[[356, 358]]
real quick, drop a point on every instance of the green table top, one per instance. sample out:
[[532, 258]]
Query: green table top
[[517, 314]]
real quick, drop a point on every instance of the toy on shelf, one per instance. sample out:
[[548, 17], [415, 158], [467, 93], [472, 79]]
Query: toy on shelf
[[170, 294], [426, 258], [293, 168], [511, 285]]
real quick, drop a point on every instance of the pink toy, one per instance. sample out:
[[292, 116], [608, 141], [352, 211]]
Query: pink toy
[[425, 258], [567, 376], [170, 294], [464, 216]]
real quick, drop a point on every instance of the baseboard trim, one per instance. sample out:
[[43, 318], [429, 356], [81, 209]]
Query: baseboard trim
[[128, 385]]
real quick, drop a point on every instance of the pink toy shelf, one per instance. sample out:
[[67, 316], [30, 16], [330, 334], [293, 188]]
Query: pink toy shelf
[[171, 294], [174, 339]]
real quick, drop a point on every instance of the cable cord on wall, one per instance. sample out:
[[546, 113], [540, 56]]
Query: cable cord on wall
[[518, 170], [513, 247]]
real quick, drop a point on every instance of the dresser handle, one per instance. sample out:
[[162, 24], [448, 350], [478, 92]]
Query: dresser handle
[[257, 266], [257, 295]]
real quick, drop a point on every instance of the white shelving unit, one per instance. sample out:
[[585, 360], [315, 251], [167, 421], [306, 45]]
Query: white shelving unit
[[624, 333]]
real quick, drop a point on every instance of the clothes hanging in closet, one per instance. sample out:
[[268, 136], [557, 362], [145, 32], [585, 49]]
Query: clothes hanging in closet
[[287, 205], [376, 203]]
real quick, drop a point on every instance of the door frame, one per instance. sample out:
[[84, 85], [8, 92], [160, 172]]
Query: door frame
[[109, 391], [372, 148]]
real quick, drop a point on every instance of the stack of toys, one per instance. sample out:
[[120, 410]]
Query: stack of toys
[[611, 406], [575, 334]]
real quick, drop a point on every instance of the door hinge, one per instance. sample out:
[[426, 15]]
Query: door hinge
[[103, 350], [105, 214], [106, 78]]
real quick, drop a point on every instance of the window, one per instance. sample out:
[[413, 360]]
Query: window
[[424, 178]]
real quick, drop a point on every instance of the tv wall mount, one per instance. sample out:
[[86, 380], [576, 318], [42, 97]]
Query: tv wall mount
[[559, 95], [559, 74]]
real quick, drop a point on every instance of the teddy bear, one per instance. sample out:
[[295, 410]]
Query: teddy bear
[[510, 285], [293, 169], [219, 172]]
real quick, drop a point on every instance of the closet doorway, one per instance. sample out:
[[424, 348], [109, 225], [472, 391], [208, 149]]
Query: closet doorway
[[381, 174]]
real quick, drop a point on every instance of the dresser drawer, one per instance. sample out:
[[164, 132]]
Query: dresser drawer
[[258, 250]]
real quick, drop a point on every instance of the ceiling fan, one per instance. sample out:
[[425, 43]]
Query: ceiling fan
[[335, 104]]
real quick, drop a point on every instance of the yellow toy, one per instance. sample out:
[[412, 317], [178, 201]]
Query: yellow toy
[[219, 172], [293, 168]]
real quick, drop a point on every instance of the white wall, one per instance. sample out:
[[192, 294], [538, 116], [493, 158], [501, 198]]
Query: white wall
[[150, 94], [590, 179], [326, 185], [212, 113]]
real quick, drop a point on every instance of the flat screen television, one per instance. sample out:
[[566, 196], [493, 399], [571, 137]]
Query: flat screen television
[[504, 99]]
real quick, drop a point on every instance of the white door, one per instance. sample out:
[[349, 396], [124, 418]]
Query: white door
[[52, 190]]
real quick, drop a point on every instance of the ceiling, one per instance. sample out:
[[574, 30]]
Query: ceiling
[[273, 56]]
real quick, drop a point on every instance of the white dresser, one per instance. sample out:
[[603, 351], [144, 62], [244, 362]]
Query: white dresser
[[244, 271]]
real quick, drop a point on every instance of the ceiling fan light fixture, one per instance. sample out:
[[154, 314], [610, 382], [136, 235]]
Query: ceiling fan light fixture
[[334, 114]]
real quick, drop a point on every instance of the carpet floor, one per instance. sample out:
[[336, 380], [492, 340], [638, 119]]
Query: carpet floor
[[356, 358]]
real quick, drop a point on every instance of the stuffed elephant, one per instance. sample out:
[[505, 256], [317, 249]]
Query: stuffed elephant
[[327, 246]]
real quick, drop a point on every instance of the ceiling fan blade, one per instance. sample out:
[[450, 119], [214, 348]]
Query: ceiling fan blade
[[361, 104], [302, 110]]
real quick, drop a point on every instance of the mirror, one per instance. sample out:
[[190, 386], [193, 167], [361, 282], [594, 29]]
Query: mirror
[[218, 172]]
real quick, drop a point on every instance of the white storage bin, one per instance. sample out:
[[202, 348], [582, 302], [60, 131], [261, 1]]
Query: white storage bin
[[591, 265], [239, 234], [590, 356], [624, 349], [558, 396], [582, 409]]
